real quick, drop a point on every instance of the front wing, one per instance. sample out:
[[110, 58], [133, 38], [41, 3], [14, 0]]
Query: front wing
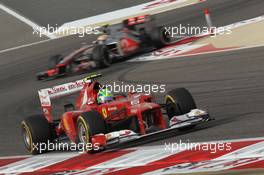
[[193, 118]]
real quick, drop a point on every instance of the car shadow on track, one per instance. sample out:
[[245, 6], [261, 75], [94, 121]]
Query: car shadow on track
[[166, 134], [174, 133]]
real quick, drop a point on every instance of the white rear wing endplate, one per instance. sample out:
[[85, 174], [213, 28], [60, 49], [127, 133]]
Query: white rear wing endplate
[[46, 95]]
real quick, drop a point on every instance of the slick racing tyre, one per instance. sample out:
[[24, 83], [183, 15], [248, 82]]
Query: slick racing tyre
[[36, 133], [101, 56], [89, 124], [178, 102], [159, 37]]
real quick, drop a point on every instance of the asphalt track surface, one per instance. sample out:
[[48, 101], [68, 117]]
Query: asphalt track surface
[[13, 28], [57, 12], [229, 84]]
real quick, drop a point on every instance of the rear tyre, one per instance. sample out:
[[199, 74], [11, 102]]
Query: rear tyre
[[36, 133], [178, 102], [159, 37], [101, 56], [89, 124]]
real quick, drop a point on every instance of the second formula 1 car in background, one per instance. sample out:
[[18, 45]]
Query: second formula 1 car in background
[[117, 119], [132, 36]]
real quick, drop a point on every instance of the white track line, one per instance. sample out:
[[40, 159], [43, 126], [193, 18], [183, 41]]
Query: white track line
[[24, 19], [187, 55], [128, 12], [53, 36], [33, 25], [25, 45]]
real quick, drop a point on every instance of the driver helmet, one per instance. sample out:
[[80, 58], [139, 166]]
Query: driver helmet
[[104, 95], [102, 37]]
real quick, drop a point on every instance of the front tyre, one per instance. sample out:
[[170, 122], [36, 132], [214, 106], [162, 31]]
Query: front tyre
[[89, 124], [101, 56], [178, 102], [36, 133], [159, 37]]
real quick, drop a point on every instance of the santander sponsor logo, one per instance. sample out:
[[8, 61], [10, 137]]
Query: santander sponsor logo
[[57, 89], [76, 85], [66, 87]]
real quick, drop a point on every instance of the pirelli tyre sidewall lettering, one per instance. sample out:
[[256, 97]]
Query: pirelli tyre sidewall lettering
[[27, 135], [36, 133], [82, 123], [168, 97], [171, 105]]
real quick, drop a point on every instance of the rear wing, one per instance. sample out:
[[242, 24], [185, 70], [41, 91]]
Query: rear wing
[[46, 95], [137, 20]]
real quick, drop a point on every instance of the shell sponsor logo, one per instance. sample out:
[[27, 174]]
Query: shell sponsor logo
[[104, 112], [66, 124]]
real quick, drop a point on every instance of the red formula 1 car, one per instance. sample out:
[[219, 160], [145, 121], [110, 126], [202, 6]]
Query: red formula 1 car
[[125, 118], [132, 36]]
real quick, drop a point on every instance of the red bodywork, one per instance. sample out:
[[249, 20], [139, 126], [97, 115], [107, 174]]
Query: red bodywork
[[133, 105]]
